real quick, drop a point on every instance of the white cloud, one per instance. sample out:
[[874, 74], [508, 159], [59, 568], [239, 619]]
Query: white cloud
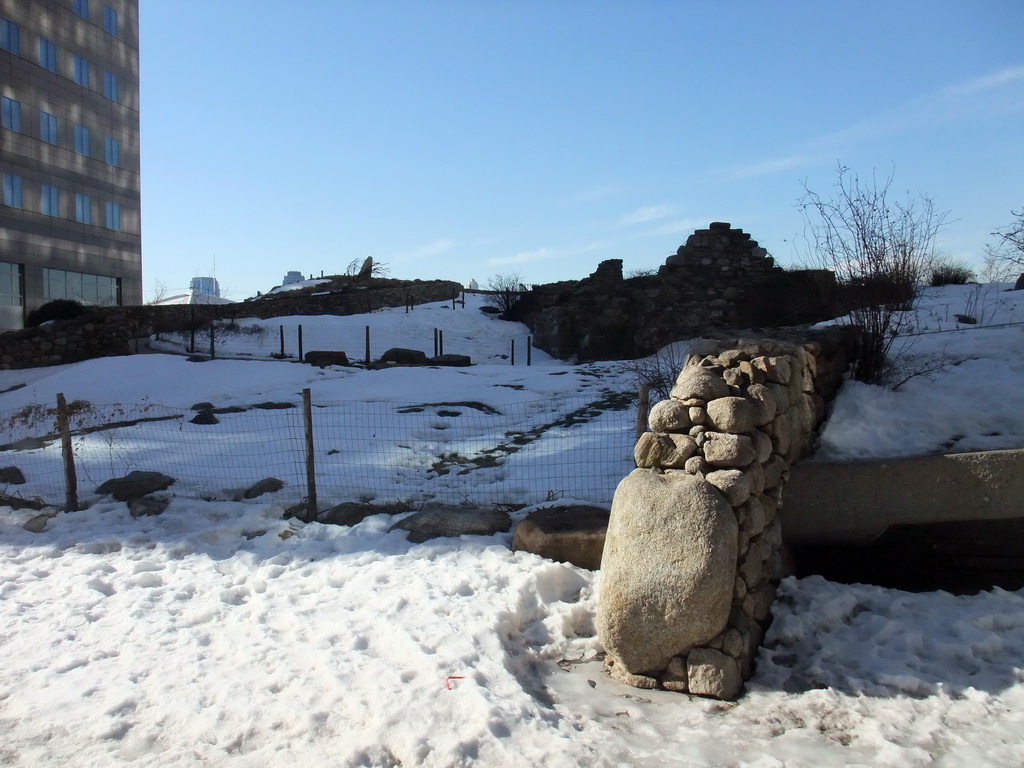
[[595, 193], [988, 82], [440, 245], [768, 167], [545, 253], [646, 214], [520, 258], [968, 100], [676, 227]]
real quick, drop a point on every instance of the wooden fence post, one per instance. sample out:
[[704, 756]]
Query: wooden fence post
[[643, 410], [282, 341], [513, 351], [440, 341], [307, 417], [436, 353], [68, 455], [367, 346], [529, 350]]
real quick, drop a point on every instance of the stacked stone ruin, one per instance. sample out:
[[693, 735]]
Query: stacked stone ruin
[[693, 552], [720, 278]]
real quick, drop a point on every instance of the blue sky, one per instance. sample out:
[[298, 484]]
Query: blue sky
[[460, 139]]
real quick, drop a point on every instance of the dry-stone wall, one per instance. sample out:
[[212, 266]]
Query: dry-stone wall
[[694, 545], [108, 331], [95, 334], [718, 279]]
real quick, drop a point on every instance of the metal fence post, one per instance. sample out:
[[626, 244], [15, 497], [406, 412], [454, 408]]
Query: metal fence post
[[367, 346], [68, 455], [440, 341], [436, 353], [300, 344], [642, 411], [529, 350], [513, 351], [282, 341], [307, 417]]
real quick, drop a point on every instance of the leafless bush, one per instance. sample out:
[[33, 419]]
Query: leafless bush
[[660, 370], [1005, 258], [377, 268], [950, 272], [641, 272], [507, 288], [879, 249], [904, 367]]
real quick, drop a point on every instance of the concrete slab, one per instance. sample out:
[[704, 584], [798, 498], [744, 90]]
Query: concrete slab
[[854, 503]]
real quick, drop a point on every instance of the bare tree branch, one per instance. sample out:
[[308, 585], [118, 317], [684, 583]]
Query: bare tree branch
[[879, 248]]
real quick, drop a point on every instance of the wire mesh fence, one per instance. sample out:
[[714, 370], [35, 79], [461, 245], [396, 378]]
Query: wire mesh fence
[[381, 452], [292, 341]]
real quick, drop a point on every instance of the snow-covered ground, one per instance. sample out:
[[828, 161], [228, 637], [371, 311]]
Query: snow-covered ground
[[220, 634]]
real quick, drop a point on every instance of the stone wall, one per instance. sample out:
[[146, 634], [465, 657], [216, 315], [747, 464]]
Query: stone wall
[[94, 334], [693, 550], [719, 279], [108, 331]]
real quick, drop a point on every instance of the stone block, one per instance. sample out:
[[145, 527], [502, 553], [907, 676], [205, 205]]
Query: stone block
[[725, 450], [671, 543], [712, 673]]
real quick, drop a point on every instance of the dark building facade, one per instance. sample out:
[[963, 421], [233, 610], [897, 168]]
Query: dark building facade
[[70, 224]]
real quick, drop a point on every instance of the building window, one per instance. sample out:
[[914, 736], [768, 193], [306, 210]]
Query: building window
[[11, 114], [82, 71], [83, 208], [12, 190], [51, 200], [110, 86], [88, 289], [47, 127], [10, 36], [110, 20], [113, 151], [114, 216], [81, 140], [81, 7], [47, 54], [10, 284]]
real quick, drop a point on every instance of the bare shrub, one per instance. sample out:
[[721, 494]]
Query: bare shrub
[[659, 371], [641, 272], [377, 268], [1005, 258], [950, 272], [879, 248], [507, 289]]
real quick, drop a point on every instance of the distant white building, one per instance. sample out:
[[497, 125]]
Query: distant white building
[[205, 286], [293, 277], [192, 297], [473, 285]]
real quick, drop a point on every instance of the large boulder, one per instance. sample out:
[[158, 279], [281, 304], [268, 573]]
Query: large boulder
[[323, 358], [348, 513], [135, 485], [451, 361], [11, 476], [402, 356], [668, 570], [266, 485], [436, 520], [573, 534]]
